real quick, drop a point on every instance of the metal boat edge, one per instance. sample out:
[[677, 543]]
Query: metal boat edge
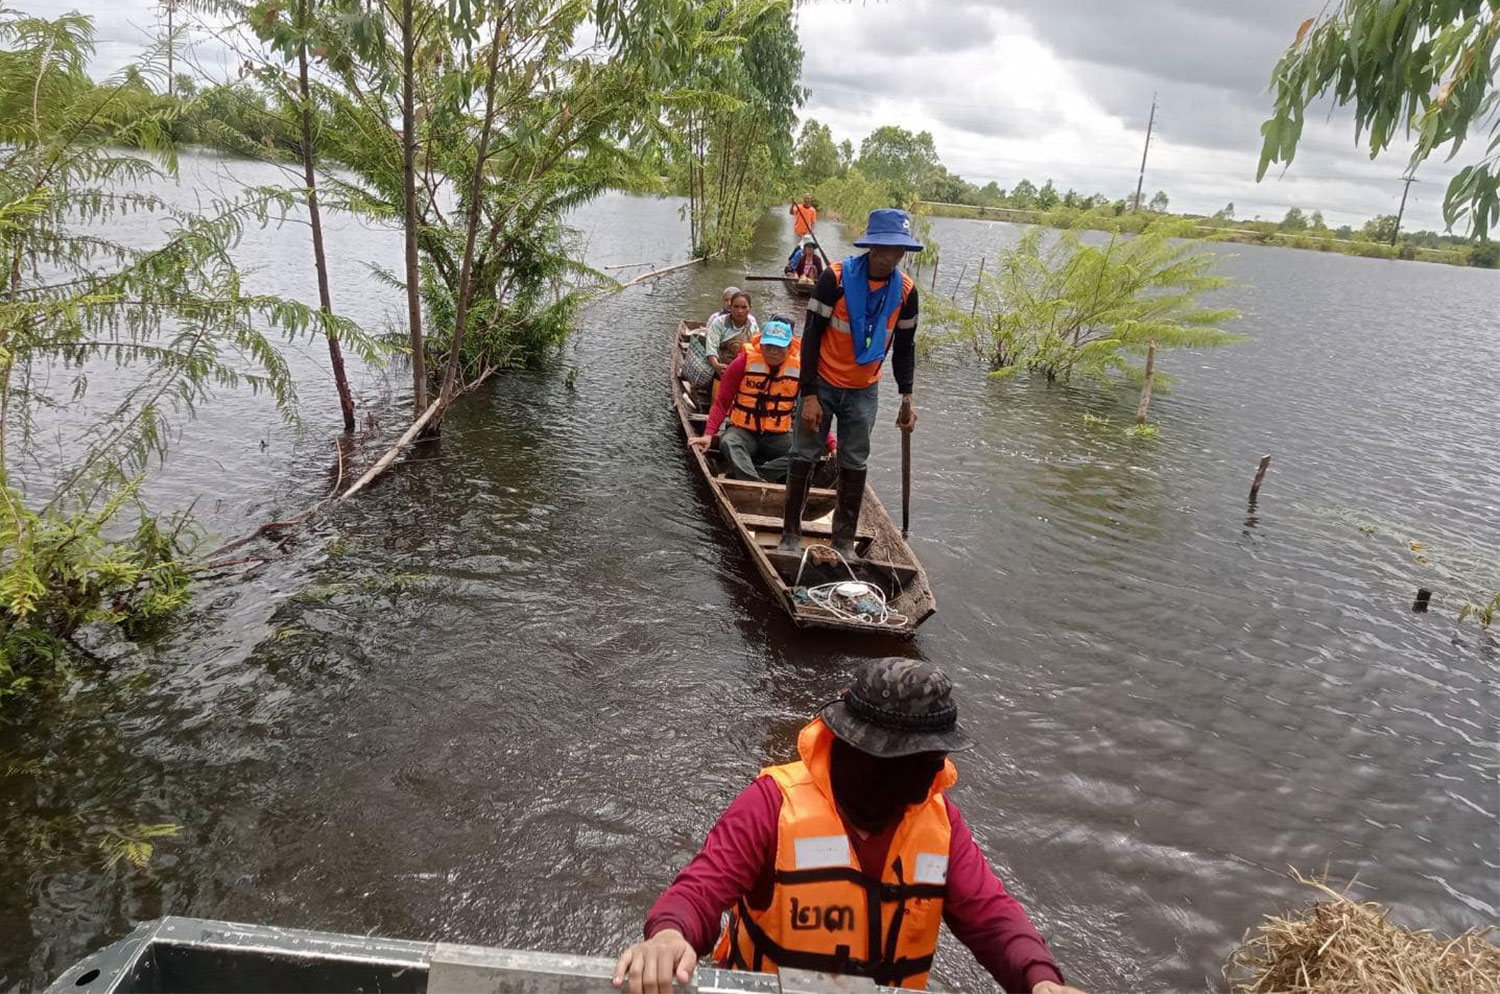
[[176, 955]]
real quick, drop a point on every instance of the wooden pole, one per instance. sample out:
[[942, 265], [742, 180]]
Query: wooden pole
[[1140, 412], [933, 285], [905, 482], [1260, 476], [977, 280], [1141, 180]]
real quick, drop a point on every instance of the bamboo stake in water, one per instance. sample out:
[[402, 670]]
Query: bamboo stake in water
[[1260, 476], [1140, 412], [977, 280]]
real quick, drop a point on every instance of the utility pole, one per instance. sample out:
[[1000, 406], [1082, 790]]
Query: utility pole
[[171, 6], [1142, 179], [1400, 213]]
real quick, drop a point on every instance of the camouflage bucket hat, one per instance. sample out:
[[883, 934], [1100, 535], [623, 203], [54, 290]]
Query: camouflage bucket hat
[[898, 707]]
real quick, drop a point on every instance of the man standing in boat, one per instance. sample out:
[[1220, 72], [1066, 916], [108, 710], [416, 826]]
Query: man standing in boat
[[848, 859], [861, 310], [804, 217]]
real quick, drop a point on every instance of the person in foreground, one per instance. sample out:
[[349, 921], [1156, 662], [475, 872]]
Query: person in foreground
[[757, 393], [846, 860], [728, 333], [861, 309]]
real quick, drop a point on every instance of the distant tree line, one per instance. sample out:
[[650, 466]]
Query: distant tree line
[[895, 166]]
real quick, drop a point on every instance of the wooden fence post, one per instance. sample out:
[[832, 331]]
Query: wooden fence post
[[1260, 476], [1140, 412]]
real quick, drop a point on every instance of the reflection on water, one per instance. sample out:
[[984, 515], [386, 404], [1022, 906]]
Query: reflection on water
[[501, 699]]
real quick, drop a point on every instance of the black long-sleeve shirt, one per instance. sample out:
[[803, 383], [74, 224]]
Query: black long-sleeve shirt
[[824, 296]]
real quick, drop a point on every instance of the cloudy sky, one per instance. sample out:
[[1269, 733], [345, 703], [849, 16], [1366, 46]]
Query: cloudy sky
[[1038, 89], [1063, 88]]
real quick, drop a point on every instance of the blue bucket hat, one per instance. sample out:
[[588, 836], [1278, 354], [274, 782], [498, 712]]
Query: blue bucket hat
[[776, 332], [889, 226]]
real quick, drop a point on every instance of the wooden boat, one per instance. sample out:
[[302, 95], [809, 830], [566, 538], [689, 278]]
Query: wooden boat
[[754, 510], [178, 955]]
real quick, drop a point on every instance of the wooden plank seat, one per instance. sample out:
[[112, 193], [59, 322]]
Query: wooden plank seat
[[875, 571], [811, 529]]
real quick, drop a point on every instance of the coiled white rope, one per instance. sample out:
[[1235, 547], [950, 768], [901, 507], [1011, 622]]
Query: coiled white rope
[[848, 600]]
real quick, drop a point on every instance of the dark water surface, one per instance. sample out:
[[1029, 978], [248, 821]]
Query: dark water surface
[[501, 699]]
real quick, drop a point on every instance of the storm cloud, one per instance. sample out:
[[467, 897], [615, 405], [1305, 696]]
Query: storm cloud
[[1063, 88]]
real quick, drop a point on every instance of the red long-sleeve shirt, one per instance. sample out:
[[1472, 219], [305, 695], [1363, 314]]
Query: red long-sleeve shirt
[[738, 860], [729, 388]]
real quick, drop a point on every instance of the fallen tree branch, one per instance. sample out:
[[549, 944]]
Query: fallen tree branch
[[384, 462], [659, 272], [407, 437]]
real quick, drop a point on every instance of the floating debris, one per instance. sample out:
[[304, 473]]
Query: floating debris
[[1339, 946]]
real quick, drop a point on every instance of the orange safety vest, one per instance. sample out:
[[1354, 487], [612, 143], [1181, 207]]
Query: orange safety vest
[[836, 364], [803, 219], [826, 912], [768, 396]]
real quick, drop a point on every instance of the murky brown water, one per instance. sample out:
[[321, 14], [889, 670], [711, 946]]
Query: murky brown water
[[502, 698]]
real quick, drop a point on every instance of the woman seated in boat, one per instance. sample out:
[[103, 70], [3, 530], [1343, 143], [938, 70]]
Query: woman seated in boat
[[757, 395], [723, 312], [805, 264], [729, 333]]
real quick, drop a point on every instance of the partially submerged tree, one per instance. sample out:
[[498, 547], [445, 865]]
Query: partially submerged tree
[[169, 323], [1419, 68], [731, 117], [1074, 309]]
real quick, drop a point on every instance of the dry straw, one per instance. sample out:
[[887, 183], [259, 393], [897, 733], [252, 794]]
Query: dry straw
[[1339, 946]]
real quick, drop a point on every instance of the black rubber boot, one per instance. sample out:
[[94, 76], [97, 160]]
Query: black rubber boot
[[846, 511], [798, 479]]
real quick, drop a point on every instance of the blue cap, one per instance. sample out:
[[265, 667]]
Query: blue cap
[[889, 226], [775, 332]]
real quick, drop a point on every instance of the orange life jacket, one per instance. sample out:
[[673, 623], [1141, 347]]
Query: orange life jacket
[[803, 219], [826, 912], [768, 396], [836, 363]]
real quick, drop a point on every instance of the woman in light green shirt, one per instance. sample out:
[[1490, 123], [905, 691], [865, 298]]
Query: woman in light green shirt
[[728, 333]]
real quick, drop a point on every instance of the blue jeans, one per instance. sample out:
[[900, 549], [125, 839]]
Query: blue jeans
[[853, 410]]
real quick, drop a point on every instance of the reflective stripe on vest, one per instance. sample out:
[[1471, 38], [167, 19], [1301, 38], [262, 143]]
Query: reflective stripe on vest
[[826, 913], [836, 365], [767, 397]]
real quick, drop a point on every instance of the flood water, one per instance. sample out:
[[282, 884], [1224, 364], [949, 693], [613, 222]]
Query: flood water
[[501, 698]]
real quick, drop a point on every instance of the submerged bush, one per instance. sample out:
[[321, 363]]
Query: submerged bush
[[60, 572], [1074, 308]]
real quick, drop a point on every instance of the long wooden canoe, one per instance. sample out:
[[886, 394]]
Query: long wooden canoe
[[754, 510]]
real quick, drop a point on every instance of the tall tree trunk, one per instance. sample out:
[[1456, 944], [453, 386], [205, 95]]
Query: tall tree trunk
[[409, 194], [320, 260], [476, 203], [692, 190]]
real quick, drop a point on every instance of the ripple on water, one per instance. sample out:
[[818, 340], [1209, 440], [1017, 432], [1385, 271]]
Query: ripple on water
[[502, 698]]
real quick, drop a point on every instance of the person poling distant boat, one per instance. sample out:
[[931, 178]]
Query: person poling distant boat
[[848, 859], [862, 309], [804, 217]]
